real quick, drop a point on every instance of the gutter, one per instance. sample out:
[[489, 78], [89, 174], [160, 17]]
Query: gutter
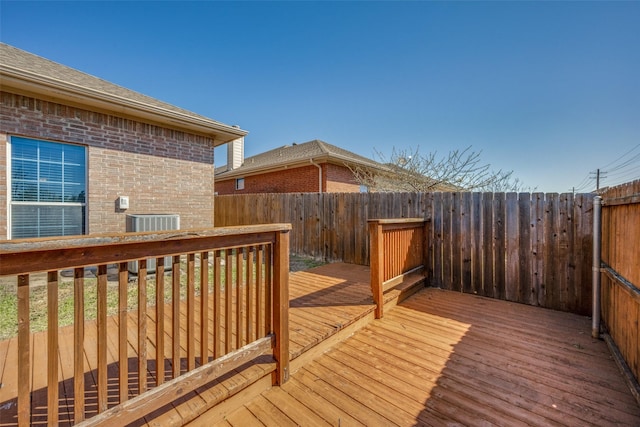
[[319, 174], [45, 86]]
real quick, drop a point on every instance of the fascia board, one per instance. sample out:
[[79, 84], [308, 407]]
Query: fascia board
[[40, 85]]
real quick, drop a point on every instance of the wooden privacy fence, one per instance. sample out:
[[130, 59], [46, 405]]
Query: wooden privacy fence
[[620, 304], [238, 314], [398, 249], [532, 248]]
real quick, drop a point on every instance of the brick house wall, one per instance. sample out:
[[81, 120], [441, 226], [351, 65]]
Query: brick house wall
[[340, 179], [303, 179], [161, 170]]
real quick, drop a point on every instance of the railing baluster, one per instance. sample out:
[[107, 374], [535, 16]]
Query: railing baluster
[[78, 343], [160, 320], [24, 352], [123, 353], [204, 307], [268, 289], [101, 319], [52, 347], [249, 290], [142, 326], [239, 297], [250, 282], [191, 335], [259, 291], [175, 316], [217, 310], [228, 302]]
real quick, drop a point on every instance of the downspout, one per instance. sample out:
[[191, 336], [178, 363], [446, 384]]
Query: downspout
[[597, 240], [319, 175]]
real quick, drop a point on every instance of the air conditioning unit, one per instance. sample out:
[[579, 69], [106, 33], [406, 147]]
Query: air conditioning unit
[[152, 222]]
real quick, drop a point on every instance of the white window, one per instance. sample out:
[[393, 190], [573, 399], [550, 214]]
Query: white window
[[48, 188], [240, 184]]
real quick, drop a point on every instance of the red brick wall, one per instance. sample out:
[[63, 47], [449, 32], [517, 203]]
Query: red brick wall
[[340, 179], [160, 169], [302, 179]]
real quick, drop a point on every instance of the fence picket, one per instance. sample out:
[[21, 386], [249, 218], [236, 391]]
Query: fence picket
[[523, 247]]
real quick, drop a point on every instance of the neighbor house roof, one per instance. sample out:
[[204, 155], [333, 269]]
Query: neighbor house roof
[[29, 74], [297, 155]]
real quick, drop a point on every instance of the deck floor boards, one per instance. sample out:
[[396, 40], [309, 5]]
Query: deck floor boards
[[441, 358], [438, 358]]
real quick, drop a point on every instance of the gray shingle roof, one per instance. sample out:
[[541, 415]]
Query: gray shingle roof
[[298, 153], [19, 64]]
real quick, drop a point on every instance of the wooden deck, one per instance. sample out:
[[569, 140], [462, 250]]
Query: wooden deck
[[445, 358], [438, 358], [325, 301]]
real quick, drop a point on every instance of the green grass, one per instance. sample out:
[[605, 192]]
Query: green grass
[[38, 297]]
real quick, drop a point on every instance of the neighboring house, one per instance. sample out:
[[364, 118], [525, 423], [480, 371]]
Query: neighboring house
[[71, 144], [313, 166]]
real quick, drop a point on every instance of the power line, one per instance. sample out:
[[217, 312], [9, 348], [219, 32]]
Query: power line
[[621, 157]]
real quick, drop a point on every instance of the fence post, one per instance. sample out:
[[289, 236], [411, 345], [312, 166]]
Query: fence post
[[376, 264], [281, 305]]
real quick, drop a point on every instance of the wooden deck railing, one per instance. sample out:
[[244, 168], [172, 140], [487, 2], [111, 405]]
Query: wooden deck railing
[[620, 274], [398, 249], [241, 271]]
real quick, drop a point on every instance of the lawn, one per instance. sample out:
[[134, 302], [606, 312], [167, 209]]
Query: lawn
[[38, 296]]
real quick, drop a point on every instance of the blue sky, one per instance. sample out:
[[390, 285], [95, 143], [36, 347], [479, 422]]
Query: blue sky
[[550, 90]]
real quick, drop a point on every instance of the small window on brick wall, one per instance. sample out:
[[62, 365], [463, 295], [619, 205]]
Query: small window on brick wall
[[240, 184]]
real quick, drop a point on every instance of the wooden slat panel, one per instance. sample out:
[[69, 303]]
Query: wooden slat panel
[[24, 353], [240, 305], [142, 326], [78, 345], [250, 295], [175, 316], [123, 354], [499, 239], [228, 306], [52, 346], [160, 331], [488, 246], [525, 253], [217, 304], [101, 319], [465, 243], [268, 289], [512, 278], [259, 290], [456, 242], [538, 246], [191, 332], [204, 307], [477, 243]]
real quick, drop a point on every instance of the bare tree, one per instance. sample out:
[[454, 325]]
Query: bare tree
[[459, 170]]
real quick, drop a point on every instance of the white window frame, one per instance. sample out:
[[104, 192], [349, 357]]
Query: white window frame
[[11, 203], [239, 183]]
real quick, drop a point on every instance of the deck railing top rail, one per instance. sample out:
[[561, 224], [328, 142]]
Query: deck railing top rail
[[24, 256]]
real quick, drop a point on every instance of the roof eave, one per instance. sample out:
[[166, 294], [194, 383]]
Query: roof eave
[[12, 78], [238, 173]]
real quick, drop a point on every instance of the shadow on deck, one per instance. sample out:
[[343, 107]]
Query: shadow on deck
[[443, 358], [436, 359]]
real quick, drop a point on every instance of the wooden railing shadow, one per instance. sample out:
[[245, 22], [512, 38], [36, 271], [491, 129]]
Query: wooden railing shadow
[[346, 291], [39, 415], [484, 361]]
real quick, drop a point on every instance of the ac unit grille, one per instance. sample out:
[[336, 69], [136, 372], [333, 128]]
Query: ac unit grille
[[152, 222]]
